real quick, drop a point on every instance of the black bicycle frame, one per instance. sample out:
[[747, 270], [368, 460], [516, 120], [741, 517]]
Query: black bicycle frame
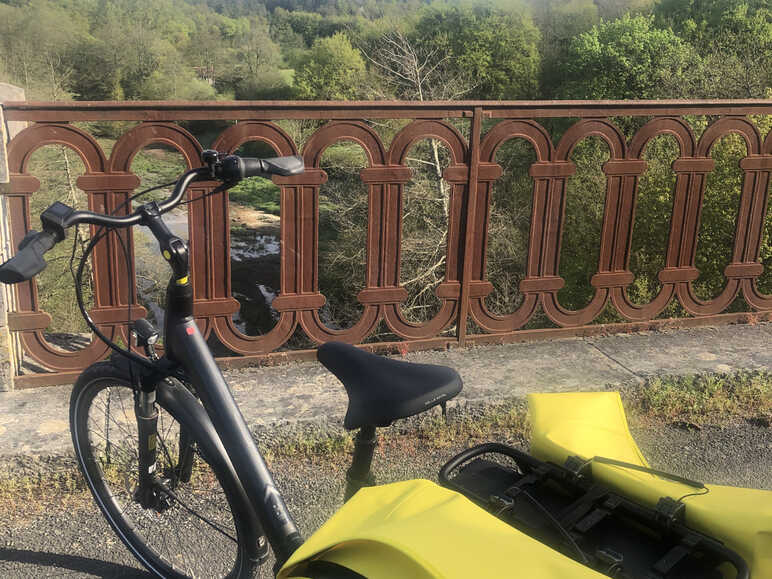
[[185, 346]]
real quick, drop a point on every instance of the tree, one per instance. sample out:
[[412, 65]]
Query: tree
[[695, 19], [333, 70], [738, 57], [209, 45], [175, 80], [627, 59], [95, 76], [560, 21], [37, 37], [413, 70], [254, 67], [498, 48]]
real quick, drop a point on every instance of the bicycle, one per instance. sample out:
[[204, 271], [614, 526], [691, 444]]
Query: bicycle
[[171, 430], [164, 449]]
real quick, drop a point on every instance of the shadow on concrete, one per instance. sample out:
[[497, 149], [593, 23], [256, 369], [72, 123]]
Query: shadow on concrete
[[61, 565]]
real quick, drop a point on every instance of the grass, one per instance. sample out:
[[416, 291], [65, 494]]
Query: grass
[[704, 398], [697, 400], [506, 420], [258, 193], [27, 496], [328, 444]]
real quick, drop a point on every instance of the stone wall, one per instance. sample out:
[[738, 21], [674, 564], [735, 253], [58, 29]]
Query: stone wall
[[7, 131], [4, 177], [9, 92]]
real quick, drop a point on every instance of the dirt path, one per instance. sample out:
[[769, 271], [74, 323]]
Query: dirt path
[[263, 223]]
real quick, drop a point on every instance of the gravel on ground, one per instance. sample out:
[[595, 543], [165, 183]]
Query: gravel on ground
[[64, 535]]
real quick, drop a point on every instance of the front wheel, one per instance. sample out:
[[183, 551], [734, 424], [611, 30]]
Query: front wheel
[[194, 527]]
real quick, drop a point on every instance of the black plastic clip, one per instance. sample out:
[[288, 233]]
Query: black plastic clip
[[670, 511], [612, 558], [54, 219], [578, 466], [500, 504]]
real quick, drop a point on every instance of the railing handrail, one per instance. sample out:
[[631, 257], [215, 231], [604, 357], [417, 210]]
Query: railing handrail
[[69, 111]]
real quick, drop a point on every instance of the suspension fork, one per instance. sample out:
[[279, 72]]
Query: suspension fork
[[185, 465], [147, 426], [175, 252]]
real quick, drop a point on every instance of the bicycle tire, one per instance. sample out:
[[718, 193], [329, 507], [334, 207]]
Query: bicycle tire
[[113, 475]]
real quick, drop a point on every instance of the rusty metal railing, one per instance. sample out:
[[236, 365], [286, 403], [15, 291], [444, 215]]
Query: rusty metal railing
[[108, 182]]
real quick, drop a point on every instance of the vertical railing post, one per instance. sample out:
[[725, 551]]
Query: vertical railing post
[[469, 212]]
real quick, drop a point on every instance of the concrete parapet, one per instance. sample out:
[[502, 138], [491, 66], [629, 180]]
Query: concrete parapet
[[4, 175], [7, 366], [9, 92]]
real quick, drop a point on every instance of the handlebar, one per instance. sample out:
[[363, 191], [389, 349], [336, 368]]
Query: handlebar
[[229, 169], [28, 262]]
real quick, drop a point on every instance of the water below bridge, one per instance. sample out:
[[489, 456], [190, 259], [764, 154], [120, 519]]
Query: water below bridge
[[255, 267]]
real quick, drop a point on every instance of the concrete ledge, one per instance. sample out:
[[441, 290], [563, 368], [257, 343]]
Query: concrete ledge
[[35, 422]]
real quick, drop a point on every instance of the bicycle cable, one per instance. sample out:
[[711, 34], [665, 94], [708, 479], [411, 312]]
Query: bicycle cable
[[555, 523], [101, 233]]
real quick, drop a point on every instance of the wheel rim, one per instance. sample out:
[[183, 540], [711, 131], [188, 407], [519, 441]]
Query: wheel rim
[[196, 535]]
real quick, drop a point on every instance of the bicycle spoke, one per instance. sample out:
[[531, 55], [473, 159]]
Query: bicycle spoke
[[198, 514], [195, 514]]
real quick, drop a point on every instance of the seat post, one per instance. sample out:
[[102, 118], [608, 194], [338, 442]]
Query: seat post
[[358, 475]]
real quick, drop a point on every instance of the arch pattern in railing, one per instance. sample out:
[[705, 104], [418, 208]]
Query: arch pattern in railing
[[108, 181]]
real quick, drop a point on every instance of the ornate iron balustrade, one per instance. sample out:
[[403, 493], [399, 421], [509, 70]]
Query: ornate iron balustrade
[[108, 182]]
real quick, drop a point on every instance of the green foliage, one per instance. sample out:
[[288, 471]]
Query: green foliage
[[625, 59], [157, 165], [496, 49], [34, 41], [585, 201], [173, 80], [333, 70], [301, 28], [654, 206], [697, 18], [705, 398], [257, 193], [718, 220], [94, 76], [738, 60], [270, 49]]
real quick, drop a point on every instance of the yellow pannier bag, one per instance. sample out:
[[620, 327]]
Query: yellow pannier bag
[[417, 529], [589, 424]]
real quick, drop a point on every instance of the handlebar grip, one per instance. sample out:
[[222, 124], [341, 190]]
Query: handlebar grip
[[28, 262], [252, 167], [234, 168], [285, 166]]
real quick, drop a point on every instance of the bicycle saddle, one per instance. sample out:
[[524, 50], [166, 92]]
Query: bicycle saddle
[[380, 389]]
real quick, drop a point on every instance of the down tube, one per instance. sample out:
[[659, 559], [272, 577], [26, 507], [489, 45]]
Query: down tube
[[191, 351]]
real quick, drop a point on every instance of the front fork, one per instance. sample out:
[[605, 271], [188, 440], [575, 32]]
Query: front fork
[[147, 426], [153, 489], [151, 483]]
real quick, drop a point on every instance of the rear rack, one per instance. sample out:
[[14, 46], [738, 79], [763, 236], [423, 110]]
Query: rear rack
[[565, 509]]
